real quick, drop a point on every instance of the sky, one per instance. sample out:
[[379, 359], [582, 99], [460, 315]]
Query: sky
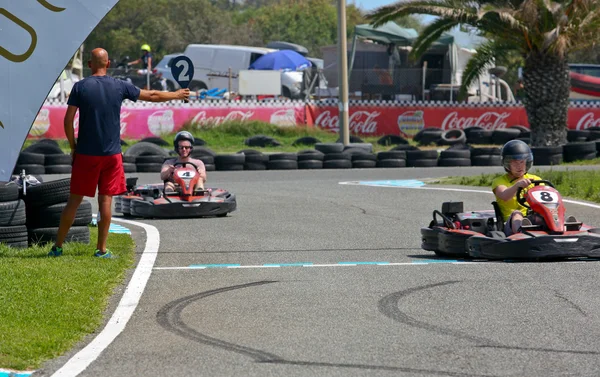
[[369, 5]]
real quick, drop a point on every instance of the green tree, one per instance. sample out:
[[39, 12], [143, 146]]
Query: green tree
[[543, 33]]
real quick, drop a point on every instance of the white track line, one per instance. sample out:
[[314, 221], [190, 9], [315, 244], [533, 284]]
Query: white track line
[[82, 359]]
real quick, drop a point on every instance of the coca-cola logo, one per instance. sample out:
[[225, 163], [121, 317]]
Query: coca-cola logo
[[284, 117], [359, 122], [202, 117], [587, 121], [41, 123], [161, 122], [489, 120]]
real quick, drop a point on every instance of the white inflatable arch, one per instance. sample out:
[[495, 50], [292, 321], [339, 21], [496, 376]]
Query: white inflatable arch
[[37, 41]]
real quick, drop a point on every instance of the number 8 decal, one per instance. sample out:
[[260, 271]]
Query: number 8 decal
[[545, 196]]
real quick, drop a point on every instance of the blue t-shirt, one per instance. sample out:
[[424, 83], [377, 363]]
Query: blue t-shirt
[[99, 100]]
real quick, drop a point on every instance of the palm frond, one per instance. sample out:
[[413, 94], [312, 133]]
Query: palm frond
[[430, 35], [453, 9], [481, 61]]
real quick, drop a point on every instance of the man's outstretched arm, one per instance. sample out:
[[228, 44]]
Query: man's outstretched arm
[[158, 96]]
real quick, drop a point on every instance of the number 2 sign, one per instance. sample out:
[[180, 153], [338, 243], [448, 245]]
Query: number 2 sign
[[182, 70]]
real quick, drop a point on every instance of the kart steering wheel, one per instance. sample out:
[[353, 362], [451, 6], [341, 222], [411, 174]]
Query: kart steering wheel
[[185, 163], [522, 191]]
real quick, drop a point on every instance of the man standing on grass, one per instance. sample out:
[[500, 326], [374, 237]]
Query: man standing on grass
[[97, 158]]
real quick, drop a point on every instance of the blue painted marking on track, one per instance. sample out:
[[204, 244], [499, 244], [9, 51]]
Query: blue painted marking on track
[[428, 261], [287, 264], [114, 228], [6, 373], [223, 265], [394, 183], [365, 263]]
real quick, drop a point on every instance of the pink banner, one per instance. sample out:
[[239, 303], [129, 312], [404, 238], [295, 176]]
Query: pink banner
[[140, 122]]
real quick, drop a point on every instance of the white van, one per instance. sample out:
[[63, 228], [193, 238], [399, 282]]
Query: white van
[[212, 63]]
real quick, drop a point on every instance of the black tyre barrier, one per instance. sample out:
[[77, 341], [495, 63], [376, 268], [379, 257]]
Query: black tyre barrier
[[249, 151], [43, 148], [144, 148], [387, 140], [128, 167], [58, 169], [523, 129], [479, 137], [364, 157], [404, 147], [261, 141], [337, 164], [129, 159], [486, 152], [48, 235], [210, 167], [49, 216], [48, 141], [367, 147], [422, 155], [452, 137], [255, 166], [337, 156], [227, 159], [14, 236], [155, 140], [574, 136], [9, 192], [352, 151], [306, 140], [594, 133], [547, 155], [12, 213], [421, 163], [364, 164], [329, 147], [316, 155], [429, 136], [579, 151], [282, 165], [199, 142], [208, 159], [29, 169], [283, 156], [48, 193], [452, 161], [230, 167], [486, 160], [310, 164], [150, 167], [392, 155], [58, 159], [503, 135], [26, 158], [391, 163], [455, 153], [150, 159], [203, 151], [353, 139]]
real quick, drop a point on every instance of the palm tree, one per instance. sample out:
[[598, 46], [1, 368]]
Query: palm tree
[[543, 32]]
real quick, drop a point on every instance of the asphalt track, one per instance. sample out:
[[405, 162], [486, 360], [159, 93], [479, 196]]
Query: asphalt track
[[310, 277]]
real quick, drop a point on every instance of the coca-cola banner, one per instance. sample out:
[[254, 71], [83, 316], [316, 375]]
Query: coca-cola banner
[[140, 122], [376, 120]]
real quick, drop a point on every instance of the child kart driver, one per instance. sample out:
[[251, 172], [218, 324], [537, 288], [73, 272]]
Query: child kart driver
[[183, 145], [517, 159]]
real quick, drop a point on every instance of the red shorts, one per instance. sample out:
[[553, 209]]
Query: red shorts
[[103, 172]]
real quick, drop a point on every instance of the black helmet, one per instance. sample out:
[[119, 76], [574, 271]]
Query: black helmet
[[516, 150], [182, 135]]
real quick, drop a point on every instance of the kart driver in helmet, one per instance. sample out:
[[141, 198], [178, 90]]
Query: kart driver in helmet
[[517, 159], [183, 145]]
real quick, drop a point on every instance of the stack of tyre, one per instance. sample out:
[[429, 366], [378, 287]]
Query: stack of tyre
[[391, 159], [456, 155], [205, 155], [421, 158], [148, 157], [283, 161], [13, 231], [310, 159], [254, 159], [333, 156], [488, 156], [44, 204], [43, 157]]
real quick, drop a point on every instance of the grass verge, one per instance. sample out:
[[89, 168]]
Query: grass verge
[[48, 304], [580, 184]]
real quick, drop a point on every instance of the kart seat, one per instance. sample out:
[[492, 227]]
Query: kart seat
[[499, 217]]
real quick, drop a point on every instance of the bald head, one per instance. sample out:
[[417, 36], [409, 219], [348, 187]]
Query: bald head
[[98, 60]]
